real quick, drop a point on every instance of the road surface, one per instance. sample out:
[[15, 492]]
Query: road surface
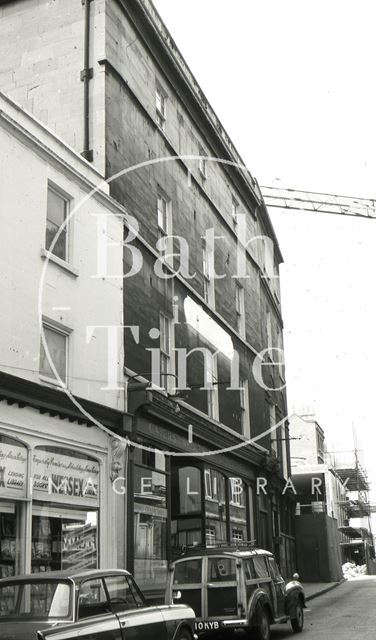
[[348, 612]]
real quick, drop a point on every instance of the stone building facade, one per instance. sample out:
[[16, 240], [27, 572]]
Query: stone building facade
[[108, 78]]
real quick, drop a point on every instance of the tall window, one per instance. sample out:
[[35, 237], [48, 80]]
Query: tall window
[[244, 408], [207, 260], [269, 330], [57, 211], [165, 347], [273, 434], [164, 219], [211, 380], [234, 211], [57, 344], [202, 162], [160, 106], [239, 310]]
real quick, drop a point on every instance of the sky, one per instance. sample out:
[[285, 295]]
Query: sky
[[293, 83]]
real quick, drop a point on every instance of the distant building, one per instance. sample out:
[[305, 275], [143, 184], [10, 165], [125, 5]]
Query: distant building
[[321, 503]]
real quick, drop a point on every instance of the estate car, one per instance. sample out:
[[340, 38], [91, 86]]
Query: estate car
[[232, 588], [89, 604]]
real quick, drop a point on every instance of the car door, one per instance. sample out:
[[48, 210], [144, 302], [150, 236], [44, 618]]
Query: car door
[[222, 587], [137, 620], [279, 587], [187, 578], [96, 620]]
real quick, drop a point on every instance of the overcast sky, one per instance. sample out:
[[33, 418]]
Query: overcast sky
[[294, 85]]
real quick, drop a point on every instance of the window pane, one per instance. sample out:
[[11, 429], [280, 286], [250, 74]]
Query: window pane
[[57, 347], [120, 594], [56, 215], [92, 599], [260, 566], [221, 569], [189, 490], [188, 572], [38, 600]]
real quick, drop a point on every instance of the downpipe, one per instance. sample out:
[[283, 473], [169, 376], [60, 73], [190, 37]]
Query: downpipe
[[86, 76]]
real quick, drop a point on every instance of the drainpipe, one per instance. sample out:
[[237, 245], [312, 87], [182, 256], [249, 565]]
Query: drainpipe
[[86, 76]]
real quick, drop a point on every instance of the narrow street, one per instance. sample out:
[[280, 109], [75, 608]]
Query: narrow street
[[346, 613]]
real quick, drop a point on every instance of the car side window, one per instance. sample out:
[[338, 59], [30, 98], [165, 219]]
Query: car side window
[[249, 570], [221, 570], [274, 570], [261, 568], [121, 593], [92, 599], [188, 572]]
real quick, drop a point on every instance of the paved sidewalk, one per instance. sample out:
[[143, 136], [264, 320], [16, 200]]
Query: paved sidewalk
[[314, 589]]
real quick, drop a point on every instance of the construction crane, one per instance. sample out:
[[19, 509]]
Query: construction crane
[[295, 199]]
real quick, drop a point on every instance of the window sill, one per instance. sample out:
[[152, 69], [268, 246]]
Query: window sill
[[58, 261]]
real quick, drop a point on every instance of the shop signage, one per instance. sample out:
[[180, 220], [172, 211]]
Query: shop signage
[[58, 475], [13, 469]]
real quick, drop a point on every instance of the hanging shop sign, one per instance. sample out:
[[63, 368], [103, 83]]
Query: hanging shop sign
[[13, 469], [59, 475]]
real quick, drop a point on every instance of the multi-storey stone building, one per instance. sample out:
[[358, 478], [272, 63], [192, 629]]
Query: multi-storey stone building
[[57, 507], [107, 77]]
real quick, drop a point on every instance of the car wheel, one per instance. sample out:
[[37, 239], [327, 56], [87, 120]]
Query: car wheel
[[262, 630], [184, 634], [297, 623]]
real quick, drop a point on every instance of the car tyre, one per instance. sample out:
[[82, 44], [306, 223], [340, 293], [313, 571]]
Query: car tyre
[[184, 634], [262, 630], [297, 623]]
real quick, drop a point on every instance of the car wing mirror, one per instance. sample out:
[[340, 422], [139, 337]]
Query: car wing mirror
[[296, 576]]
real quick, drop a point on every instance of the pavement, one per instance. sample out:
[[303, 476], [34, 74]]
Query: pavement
[[315, 589]]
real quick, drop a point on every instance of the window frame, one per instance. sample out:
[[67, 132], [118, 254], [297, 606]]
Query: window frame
[[202, 164], [240, 309], [61, 330], [234, 211], [67, 199], [160, 105]]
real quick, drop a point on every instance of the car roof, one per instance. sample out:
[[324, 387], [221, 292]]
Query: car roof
[[237, 552], [77, 576]]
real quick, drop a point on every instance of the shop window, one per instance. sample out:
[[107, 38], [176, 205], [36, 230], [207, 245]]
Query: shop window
[[13, 481], [57, 212], [189, 490], [238, 509], [57, 345], [215, 507], [150, 520]]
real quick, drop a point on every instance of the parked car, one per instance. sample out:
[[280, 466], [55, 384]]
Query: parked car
[[234, 588], [91, 604]]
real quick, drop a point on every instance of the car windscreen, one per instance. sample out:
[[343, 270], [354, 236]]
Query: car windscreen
[[36, 600]]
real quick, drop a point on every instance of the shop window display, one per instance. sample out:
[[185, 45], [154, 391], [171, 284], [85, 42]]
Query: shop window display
[[150, 520], [60, 543]]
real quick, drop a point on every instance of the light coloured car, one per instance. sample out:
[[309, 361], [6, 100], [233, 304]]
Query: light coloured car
[[236, 588]]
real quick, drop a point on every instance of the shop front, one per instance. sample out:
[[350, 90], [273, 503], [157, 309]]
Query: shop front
[[49, 506]]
